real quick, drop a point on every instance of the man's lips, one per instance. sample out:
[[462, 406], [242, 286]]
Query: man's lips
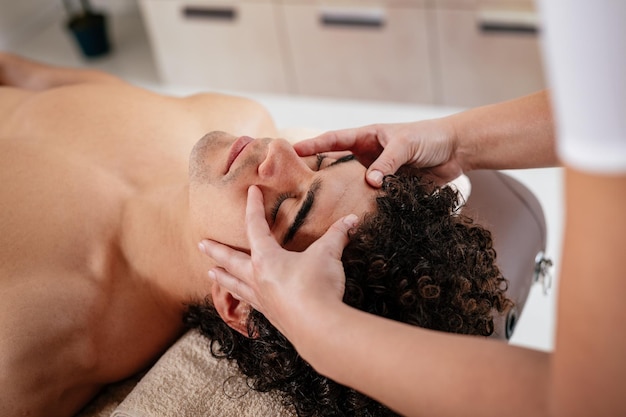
[[235, 150]]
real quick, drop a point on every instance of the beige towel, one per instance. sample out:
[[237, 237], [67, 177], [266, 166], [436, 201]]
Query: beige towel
[[109, 398], [189, 381]]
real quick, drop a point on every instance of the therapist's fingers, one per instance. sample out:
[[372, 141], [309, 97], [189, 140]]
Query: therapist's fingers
[[235, 273], [339, 140], [318, 274], [361, 141], [272, 264], [236, 262], [397, 153], [333, 242], [259, 234], [262, 243], [238, 288]]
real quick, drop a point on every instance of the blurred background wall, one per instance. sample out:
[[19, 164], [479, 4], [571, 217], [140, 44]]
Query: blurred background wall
[[449, 52], [20, 19], [442, 52]]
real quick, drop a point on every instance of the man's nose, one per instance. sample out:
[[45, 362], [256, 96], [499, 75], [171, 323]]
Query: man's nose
[[282, 163]]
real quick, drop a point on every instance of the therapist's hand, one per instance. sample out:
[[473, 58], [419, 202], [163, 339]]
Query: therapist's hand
[[280, 284], [383, 148]]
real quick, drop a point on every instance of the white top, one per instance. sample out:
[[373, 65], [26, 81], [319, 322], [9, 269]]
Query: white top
[[585, 56]]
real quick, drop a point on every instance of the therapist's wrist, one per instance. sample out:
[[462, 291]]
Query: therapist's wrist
[[464, 150], [329, 334], [312, 320]]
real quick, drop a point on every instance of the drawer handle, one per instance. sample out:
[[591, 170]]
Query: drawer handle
[[368, 18], [210, 13], [508, 22], [508, 28]]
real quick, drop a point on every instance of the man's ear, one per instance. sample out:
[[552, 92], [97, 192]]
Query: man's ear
[[233, 311]]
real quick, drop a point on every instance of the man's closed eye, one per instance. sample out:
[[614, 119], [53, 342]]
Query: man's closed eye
[[319, 162]]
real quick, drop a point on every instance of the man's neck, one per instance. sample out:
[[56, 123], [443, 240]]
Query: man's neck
[[158, 244]]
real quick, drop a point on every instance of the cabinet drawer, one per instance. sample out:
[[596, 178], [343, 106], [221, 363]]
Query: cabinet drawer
[[222, 44], [487, 55], [365, 51], [472, 4]]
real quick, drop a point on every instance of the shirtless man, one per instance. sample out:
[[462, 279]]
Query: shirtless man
[[100, 223]]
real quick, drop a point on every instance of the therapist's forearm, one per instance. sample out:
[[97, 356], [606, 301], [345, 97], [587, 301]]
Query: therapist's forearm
[[589, 367], [514, 134], [419, 372]]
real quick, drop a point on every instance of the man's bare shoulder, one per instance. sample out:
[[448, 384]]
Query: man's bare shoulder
[[243, 115]]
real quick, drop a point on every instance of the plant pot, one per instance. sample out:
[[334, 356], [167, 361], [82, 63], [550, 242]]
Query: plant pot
[[90, 32]]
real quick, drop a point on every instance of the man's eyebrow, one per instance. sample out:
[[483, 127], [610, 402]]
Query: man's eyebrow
[[343, 159], [305, 209], [298, 221]]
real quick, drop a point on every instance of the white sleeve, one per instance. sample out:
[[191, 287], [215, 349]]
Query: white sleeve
[[585, 61]]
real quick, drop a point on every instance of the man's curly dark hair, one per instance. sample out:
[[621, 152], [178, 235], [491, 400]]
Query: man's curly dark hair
[[415, 260]]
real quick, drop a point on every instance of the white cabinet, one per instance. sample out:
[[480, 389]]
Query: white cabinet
[[451, 52], [220, 44], [359, 50], [487, 52]]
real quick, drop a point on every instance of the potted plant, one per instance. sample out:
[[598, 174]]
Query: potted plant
[[88, 27]]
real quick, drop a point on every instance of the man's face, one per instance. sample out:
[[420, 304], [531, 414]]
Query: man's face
[[303, 196]]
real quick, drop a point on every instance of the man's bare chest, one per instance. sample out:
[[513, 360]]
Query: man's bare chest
[[67, 301], [56, 210]]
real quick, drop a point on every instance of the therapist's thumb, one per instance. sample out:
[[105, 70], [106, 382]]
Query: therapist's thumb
[[388, 162], [336, 238]]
